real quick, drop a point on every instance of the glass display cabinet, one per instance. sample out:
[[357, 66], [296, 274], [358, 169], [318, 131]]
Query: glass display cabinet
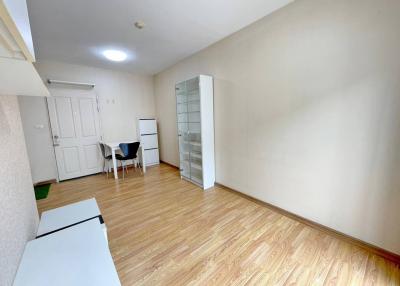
[[195, 117]]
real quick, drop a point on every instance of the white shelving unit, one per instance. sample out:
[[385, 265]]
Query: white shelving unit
[[18, 75], [147, 128], [195, 119]]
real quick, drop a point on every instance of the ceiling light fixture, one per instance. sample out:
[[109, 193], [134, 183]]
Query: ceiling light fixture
[[115, 55], [140, 25]]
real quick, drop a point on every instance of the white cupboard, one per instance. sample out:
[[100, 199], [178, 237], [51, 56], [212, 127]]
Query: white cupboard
[[147, 128], [195, 119], [18, 75]]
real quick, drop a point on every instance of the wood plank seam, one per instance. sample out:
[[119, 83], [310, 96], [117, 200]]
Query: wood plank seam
[[355, 241]]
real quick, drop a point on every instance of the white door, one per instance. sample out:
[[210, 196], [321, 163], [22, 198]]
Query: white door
[[74, 118]]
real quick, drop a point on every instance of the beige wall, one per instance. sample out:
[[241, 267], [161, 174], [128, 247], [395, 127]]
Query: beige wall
[[122, 96], [307, 113], [18, 212]]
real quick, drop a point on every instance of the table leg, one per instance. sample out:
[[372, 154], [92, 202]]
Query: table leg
[[114, 163]]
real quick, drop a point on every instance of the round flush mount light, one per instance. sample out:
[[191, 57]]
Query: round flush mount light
[[140, 25], [115, 55]]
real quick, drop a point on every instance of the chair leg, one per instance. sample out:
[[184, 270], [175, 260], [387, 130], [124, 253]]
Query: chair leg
[[108, 167], [123, 173], [118, 165]]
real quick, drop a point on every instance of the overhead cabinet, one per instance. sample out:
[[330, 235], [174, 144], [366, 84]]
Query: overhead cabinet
[[195, 118], [18, 76]]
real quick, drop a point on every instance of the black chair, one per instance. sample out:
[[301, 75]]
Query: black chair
[[107, 158], [129, 151]]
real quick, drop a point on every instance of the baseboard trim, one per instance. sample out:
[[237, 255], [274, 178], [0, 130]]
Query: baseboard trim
[[355, 241], [53, 181], [166, 163]]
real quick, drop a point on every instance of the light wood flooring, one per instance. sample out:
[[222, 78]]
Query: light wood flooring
[[165, 231]]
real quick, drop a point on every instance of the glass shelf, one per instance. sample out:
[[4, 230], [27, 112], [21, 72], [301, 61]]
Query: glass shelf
[[197, 179], [195, 166], [193, 154], [196, 155], [189, 101], [194, 143], [186, 112], [185, 174]]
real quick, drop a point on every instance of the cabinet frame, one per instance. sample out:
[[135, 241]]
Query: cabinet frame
[[203, 160]]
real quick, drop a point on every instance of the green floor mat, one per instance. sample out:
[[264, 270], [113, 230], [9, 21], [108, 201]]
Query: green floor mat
[[42, 191]]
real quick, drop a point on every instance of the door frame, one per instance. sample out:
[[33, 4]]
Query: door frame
[[98, 108]]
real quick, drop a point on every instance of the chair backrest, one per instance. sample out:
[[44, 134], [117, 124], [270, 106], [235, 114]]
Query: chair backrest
[[103, 150], [129, 149]]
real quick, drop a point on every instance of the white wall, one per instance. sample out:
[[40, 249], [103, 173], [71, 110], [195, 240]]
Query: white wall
[[307, 113], [123, 97], [18, 212], [36, 125]]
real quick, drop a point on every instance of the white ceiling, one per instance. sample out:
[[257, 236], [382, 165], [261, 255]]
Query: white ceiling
[[77, 31]]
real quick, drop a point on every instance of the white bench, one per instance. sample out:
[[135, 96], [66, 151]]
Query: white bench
[[60, 218], [77, 255]]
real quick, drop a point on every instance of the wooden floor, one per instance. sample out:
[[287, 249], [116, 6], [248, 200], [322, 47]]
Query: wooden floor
[[165, 231]]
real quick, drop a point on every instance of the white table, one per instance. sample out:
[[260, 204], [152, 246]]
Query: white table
[[114, 146], [62, 217], [77, 256]]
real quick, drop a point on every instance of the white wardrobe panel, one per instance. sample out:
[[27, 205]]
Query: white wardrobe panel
[[149, 141], [151, 157], [147, 126]]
